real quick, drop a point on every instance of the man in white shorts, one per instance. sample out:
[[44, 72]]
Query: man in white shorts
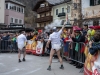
[[21, 42], [56, 46]]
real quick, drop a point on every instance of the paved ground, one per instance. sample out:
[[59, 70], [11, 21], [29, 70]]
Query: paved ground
[[34, 65]]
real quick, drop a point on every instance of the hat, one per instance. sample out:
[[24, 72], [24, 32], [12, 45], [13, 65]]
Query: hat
[[54, 28], [91, 27], [77, 30], [97, 27]]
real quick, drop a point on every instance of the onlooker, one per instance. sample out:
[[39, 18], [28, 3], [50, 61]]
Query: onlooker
[[77, 37]]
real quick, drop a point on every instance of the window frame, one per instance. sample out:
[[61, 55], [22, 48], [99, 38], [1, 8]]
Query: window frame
[[56, 11], [12, 20], [68, 9], [17, 21], [63, 10], [20, 22]]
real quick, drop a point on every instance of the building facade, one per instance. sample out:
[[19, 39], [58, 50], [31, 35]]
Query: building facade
[[46, 11], [86, 12], [2, 11], [43, 9], [61, 11], [91, 13], [14, 12]]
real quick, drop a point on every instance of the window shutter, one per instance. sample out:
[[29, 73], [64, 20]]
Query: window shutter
[[91, 2], [98, 1]]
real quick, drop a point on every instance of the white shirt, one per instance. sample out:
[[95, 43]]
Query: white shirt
[[55, 37], [21, 39]]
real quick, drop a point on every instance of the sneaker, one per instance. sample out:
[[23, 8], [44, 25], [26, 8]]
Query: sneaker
[[62, 67], [19, 60], [24, 59], [49, 68]]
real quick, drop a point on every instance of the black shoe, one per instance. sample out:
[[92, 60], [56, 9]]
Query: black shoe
[[75, 65], [80, 67], [19, 60], [62, 67], [49, 68], [24, 59], [72, 63]]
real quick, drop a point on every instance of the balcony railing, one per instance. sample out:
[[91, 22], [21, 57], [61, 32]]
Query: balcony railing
[[44, 19], [61, 14], [43, 9]]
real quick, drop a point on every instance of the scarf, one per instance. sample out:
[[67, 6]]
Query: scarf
[[77, 44]]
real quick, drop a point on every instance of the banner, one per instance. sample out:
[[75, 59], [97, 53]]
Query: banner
[[92, 64], [29, 45], [39, 47]]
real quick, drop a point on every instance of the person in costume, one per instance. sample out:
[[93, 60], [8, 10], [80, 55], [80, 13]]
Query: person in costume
[[90, 32], [55, 40], [77, 37], [94, 51], [21, 43]]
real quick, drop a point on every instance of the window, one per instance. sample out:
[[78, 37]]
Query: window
[[95, 23], [17, 9], [10, 7], [20, 21], [22, 10], [68, 9], [62, 10], [6, 6], [16, 21], [56, 11], [12, 20], [94, 2]]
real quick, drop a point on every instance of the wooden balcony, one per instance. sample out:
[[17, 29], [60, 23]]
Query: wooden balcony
[[44, 9], [44, 19]]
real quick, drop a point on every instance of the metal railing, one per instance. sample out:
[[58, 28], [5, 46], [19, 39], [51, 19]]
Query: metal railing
[[8, 46]]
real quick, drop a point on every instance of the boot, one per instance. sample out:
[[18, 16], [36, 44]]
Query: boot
[[24, 59], [62, 67], [49, 68], [19, 60]]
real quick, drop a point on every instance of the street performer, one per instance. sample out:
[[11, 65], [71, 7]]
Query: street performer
[[21, 43], [56, 46]]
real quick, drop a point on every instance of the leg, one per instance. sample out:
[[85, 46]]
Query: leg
[[60, 59], [19, 55], [58, 54], [24, 54], [51, 56], [50, 60]]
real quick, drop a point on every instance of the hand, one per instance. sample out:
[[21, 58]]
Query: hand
[[92, 64], [47, 46], [72, 35], [90, 44]]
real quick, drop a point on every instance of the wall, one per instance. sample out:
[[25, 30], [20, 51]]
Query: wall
[[13, 14], [85, 4], [59, 7], [43, 15], [2, 11]]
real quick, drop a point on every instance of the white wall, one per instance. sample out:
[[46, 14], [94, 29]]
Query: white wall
[[85, 4], [59, 7], [2, 10]]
